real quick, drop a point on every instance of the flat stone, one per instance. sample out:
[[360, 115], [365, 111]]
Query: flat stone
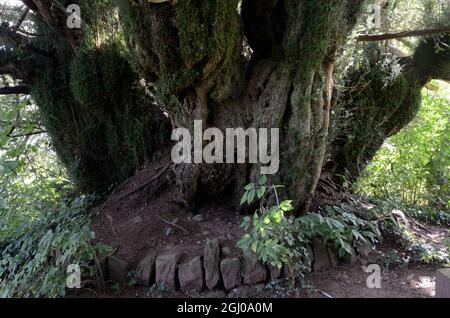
[[166, 270], [443, 283], [231, 273], [118, 269], [145, 271], [226, 251], [253, 270], [190, 275], [321, 260], [211, 258]]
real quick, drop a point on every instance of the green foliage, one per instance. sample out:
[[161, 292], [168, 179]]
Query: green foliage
[[34, 259], [271, 236], [41, 231], [416, 250], [280, 240], [100, 123], [413, 167]]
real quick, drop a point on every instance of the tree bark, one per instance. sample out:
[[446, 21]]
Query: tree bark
[[192, 52], [378, 105]]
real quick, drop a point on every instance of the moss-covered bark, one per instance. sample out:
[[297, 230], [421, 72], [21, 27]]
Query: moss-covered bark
[[381, 98], [101, 124], [192, 51]]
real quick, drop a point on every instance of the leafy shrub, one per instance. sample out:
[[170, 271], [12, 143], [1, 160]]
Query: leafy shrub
[[34, 259], [280, 240]]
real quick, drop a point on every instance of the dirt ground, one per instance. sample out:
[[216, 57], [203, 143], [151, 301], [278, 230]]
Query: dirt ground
[[132, 221]]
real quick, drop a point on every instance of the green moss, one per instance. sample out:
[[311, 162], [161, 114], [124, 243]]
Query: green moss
[[100, 123], [373, 112]]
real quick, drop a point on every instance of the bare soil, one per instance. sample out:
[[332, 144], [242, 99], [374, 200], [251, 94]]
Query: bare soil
[[139, 216]]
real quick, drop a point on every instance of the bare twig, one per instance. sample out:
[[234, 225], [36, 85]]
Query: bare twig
[[176, 225]]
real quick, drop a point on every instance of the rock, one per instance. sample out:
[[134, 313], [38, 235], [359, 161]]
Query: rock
[[274, 272], [190, 275], [145, 272], [226, 251], [350, 258], [198, 218], [253, 271], [443, 283], [333, 257], [400, 218], [364, 248], [321, 260], [211, 258], [230, 237], [166, 269], [245, 292], [118, 269], [231, 273], [213, 294]]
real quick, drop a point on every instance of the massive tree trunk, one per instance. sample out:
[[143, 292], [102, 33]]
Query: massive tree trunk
[[271, 66], [379, 100], [229, 63]]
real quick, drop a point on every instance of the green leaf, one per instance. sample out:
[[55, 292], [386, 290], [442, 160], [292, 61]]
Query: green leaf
[[261, 192], [286, 206], [263, 180], [251, 196], [11, 165], [249, 186], [244, 198], [254, 246]]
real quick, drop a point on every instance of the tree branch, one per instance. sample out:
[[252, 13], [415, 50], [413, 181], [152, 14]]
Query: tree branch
[[400, 35], [19, 89], [22, 17]]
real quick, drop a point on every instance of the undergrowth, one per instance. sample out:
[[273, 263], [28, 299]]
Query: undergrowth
[[35, 257], [280, 239]]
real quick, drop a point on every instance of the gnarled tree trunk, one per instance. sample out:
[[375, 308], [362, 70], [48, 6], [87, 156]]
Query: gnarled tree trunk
[[266, 64], [379, 101]]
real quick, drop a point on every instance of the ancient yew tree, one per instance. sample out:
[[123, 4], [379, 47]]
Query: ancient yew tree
[[109, 92]]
